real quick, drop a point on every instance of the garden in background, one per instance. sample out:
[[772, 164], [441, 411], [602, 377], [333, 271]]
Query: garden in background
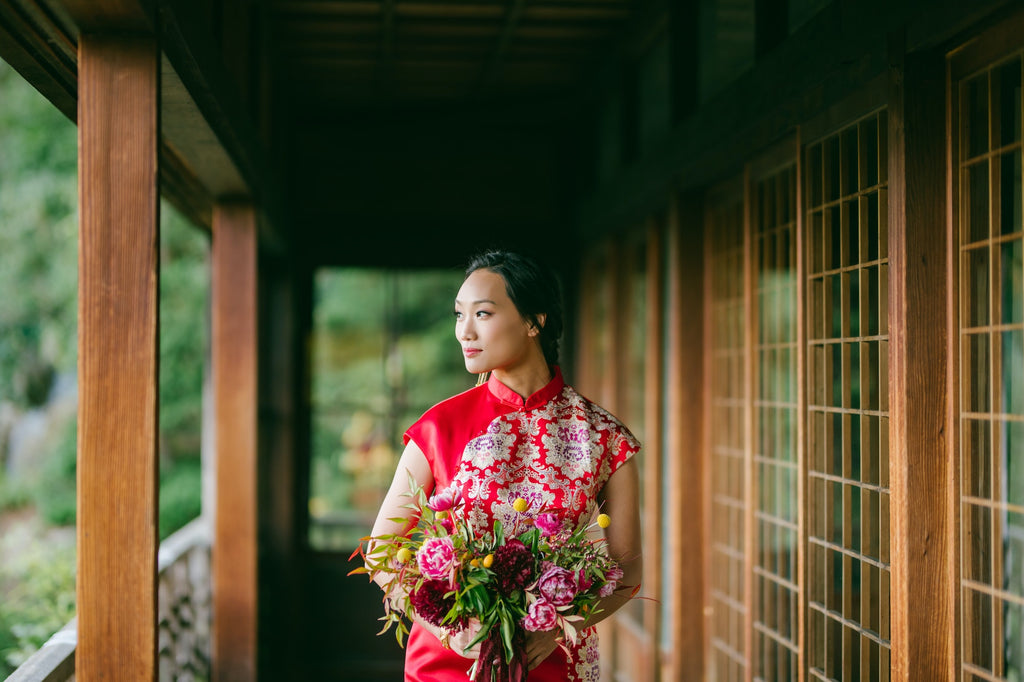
[[38, 357]]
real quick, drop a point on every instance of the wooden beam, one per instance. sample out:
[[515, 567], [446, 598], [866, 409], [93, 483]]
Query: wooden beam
[[112, 15], [922, 544], [234, 351], [117, 358], [493, 65]]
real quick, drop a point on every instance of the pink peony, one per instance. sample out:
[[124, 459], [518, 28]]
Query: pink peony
[[549, 524], [436, 558], [445, 500], [557, 584], [612, 578], [541, 616]]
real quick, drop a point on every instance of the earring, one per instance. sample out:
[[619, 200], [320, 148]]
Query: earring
[[481, 379]]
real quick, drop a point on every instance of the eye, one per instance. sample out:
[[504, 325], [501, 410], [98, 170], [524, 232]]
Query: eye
[[458, 314], [483, 313]]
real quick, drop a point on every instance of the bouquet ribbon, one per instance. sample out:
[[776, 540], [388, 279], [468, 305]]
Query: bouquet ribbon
[[492, 666]]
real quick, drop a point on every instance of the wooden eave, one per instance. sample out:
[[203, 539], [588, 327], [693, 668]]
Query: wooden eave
[[209, 149], [808, 77]]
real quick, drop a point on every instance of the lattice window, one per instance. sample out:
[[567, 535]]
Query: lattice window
[[776, 469], [848, 418], [728, 440], [991, 342]]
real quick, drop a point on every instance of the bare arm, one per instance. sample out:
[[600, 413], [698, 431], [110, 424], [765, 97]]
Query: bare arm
[[412, 463]]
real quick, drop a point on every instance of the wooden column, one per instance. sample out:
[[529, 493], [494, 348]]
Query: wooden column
[[687, 488], [117, 358], [654, 451], [235, 394], [920, 472]]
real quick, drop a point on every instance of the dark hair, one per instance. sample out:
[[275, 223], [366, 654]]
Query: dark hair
[[534, 290]]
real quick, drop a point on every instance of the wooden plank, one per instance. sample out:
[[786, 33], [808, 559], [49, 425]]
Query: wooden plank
[[235, 393], [112, 15], [654, 456], [684, 510], [801, 420], [922, 591], [117, 358], [750, 368]]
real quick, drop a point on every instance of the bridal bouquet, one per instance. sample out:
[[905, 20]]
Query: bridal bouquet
[[537, 575]]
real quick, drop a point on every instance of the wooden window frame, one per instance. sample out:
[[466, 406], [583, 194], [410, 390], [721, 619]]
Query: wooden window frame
[[982, 52]]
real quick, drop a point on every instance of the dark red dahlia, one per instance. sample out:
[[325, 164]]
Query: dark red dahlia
[[430, 602], [513, 566]]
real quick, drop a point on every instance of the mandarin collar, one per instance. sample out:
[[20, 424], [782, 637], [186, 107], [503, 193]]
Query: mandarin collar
[[510, 397]]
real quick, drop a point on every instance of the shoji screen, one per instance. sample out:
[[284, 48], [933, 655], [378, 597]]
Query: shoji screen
[[727, 436], [776, 468], [847, 350], [988, 188]]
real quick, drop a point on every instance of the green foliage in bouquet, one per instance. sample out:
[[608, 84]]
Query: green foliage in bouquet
[[538, 575]]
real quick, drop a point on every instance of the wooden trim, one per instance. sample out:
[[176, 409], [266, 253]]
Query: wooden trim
[[118, 316], [685, 506], [953, 352], [801, 400], [919, 469], [654, 447], [235, 373], [987, 48], [750, 368]]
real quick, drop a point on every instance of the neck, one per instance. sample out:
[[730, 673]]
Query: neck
[[526, 379]]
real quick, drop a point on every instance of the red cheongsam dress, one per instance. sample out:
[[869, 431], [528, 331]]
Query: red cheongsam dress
[[556, 450]]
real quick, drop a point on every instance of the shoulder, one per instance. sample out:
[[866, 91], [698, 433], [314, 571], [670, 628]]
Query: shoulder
[[598, 418], [456, 405], [443, 417]]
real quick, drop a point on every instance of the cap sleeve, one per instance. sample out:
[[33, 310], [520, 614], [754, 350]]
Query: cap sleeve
[[622, 445]]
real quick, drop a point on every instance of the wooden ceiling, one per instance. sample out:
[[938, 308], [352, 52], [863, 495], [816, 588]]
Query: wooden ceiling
[[374, 54]]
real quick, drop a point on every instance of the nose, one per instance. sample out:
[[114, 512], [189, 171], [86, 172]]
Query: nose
[[465, 330]]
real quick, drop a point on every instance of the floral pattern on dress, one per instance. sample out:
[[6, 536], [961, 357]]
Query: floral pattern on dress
[[557, 457]]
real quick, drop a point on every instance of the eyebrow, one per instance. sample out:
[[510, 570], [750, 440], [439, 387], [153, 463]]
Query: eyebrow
[[482, 300]]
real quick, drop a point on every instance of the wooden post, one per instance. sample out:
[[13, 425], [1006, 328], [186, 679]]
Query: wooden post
[[919, 461], [686, 486], [654, 450], [235, 394], [117, 357]]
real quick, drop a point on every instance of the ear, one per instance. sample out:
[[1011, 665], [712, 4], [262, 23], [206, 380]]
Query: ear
[[535, 328]]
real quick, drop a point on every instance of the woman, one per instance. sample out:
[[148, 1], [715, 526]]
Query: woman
[[522, 434]]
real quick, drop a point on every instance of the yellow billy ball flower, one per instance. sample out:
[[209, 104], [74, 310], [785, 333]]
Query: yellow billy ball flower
[[604, 520], [475, 563], [441, 515], [404, 555], [520, 505], [488, 561]]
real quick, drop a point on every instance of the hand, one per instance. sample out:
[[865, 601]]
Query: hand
[[461, 639], [539, 646]]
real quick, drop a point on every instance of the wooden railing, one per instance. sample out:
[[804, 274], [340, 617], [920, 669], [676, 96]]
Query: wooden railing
[[184, 612]]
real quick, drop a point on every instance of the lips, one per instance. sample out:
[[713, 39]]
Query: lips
[[471, 352]]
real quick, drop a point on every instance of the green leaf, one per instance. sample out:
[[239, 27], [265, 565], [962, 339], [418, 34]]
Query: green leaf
[[507, 633]]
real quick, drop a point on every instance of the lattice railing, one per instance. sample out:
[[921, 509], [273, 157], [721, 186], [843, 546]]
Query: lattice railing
[[184, 610]]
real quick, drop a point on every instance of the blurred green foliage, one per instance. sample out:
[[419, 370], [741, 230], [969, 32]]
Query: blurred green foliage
[[38, 587], [384, 350], [38, 239]]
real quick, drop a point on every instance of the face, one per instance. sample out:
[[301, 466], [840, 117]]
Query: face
[[493, 334]]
